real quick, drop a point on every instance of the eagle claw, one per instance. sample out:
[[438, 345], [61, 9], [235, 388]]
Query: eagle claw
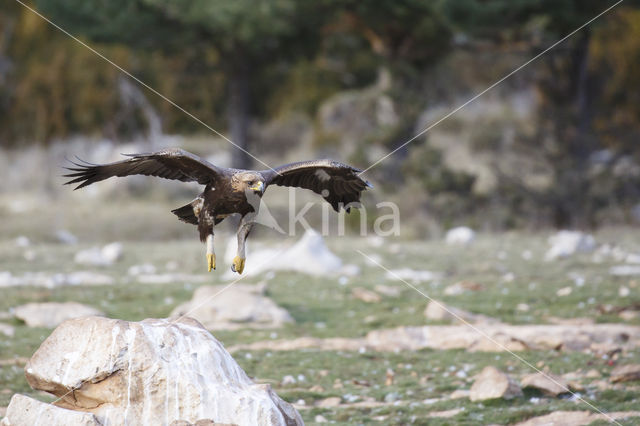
[[211, 261], [238, 264]]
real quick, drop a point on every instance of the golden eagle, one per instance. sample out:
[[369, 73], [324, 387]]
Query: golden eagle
[[228, 191]]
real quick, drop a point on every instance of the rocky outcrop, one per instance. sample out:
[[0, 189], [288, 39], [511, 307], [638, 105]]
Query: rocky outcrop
[[225, 307], [155, 371]]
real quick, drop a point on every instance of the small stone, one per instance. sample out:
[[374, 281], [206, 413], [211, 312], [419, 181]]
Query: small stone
[[564, 291], [522, 307], [593, 374], [548, 383], [625, 373], [392, 397], [365, 295], [461, 235], [320, 419], [460, 393], [492, 383], [52, 314], [7, 330], [332, 401], [288, 380], [623, 291]]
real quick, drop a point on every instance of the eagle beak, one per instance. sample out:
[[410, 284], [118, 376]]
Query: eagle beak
[[259, 187]]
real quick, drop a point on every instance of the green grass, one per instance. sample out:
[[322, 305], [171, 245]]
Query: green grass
[[323, 307]]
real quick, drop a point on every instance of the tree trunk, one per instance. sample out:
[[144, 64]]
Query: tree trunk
[[239, 104]]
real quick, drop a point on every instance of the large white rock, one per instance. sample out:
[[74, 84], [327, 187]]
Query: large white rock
[[567, 243], [25, 411], [461, 235], [310, 255], [151, 372], [224, 307], [51, 314]]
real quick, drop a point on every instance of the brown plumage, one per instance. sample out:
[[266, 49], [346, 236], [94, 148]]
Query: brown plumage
[[228, 191]]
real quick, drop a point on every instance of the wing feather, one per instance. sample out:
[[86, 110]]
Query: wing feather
[[339, 184], [171, 163]]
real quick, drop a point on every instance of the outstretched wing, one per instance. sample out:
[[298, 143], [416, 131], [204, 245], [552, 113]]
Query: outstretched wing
[[171, 163], [337, 183]]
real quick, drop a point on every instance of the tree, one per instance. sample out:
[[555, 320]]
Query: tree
[[248, 36]]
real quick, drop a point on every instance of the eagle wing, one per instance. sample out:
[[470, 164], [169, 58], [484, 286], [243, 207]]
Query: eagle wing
[[168, 164], [337, 183]]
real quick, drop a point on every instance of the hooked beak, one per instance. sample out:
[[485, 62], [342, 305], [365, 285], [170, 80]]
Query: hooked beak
[[259, 187]]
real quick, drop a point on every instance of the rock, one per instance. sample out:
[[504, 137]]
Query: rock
[[25, 411], [446, 413], [144, 268], [625, 270], [154, 371], [320, 419], [593, 374], [309, 255], [411, 275], [226, 307], [459, 394], [548, 383], [576, 418], [461, 235], [492, 383], [625, 373], [65, 237], [332, 401], [22, 241], [104, 256], [365, 295], [170, 278], [522, 307], [623, 291], [462, 287], [439, 311], [387, 290], [567, 243], [40, 279], [51, 314], [7, 330], [564, 291]]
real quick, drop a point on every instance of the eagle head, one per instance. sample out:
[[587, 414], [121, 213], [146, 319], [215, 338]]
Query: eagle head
[[248, 181]]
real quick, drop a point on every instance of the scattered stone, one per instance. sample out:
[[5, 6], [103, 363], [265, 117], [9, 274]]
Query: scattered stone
[[332, 401], [439, 311], [51, 314], [23, 411], [7, 330], [387, 290], [320, 419], [392, 397], [492, 383], [104, 256], [460, 393], [567, 243], [446, 414], [288, 380], [411, 275], [365, 295], [224, 307], [144, 268], [547, 383], [170, 278], [65, 237], [625, 270], [593, 374], [625, 373], [153, 371], [576, 418], [629, 315], [22, 241], [461, 235], [522, 307], [40, 279], [564, 291], [623, 291], [462, 287]]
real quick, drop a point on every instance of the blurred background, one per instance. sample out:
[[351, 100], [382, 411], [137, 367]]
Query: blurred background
[[554, 146]]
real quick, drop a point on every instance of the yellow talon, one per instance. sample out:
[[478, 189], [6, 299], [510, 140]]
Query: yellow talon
[[238, 264], [211, 261]]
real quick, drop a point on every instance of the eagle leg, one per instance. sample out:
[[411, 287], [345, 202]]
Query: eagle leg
[[243, 233], [211, 256]]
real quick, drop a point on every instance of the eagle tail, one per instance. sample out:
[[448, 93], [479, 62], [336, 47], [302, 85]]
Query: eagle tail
[[189, 212]]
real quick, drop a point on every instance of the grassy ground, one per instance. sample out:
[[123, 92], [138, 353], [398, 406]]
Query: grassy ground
[[508, 266]]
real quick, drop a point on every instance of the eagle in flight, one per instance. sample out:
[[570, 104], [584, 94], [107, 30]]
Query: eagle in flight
[[228, 191]]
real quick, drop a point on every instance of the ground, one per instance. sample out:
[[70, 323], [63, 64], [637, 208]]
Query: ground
[[509, 267]]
